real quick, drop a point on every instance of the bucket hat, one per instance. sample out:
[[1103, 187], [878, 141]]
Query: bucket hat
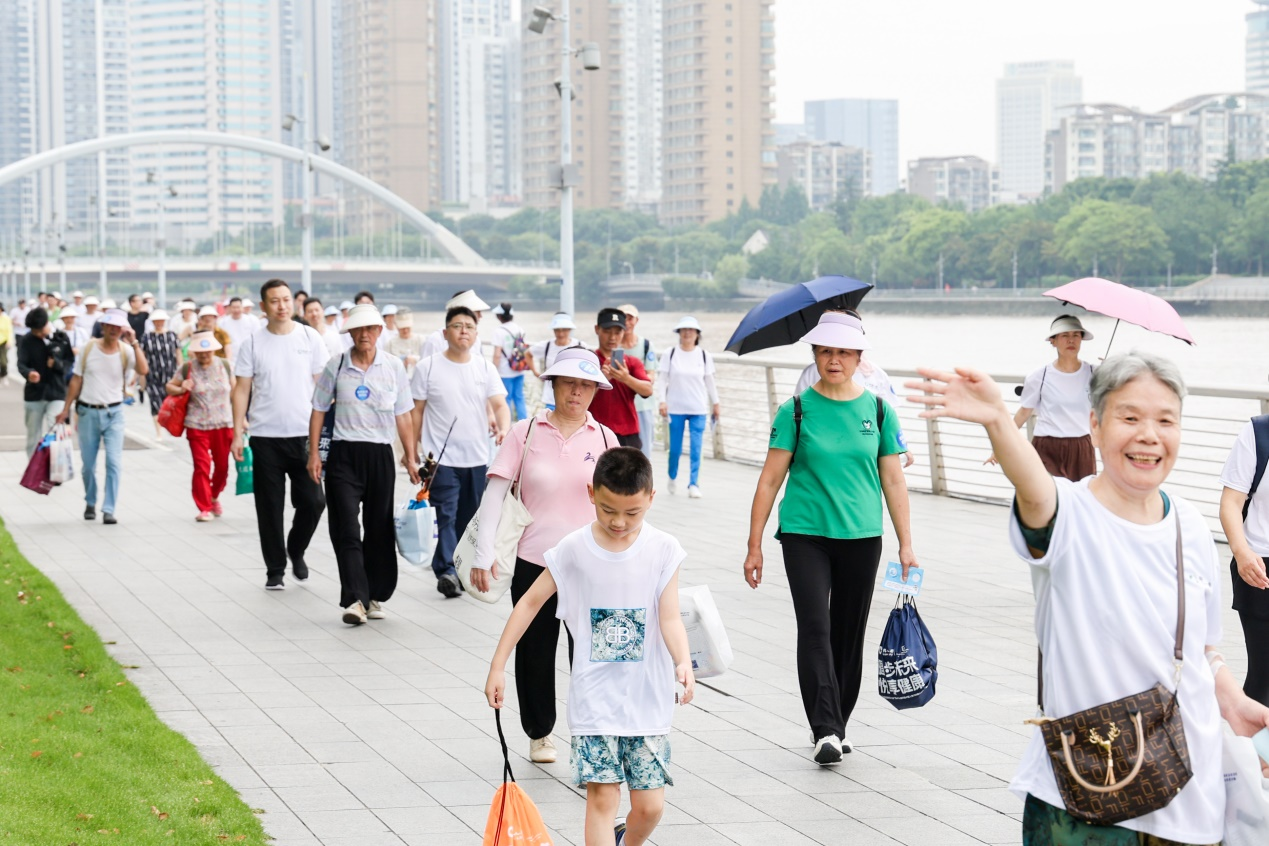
[[363, 315], [840, 331], [331, 311], [208, 310], [90, 300], [186, 305], [115, 317], [204, 342], [388, 309], [1068, 323], [688, 322], [405, 319], [578, 363], [467, 299], [346, 305], [562, 321], [158, 315]]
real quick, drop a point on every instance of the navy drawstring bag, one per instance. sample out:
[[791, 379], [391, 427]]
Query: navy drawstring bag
[[907, 660]]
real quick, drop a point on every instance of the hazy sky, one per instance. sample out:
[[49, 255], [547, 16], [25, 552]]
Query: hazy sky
[[941, 59]]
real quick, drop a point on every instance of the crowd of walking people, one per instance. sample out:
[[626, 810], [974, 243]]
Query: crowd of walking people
[[339, 400]]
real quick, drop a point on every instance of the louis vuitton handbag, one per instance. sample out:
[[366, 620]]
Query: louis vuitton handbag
[[1126, 758]]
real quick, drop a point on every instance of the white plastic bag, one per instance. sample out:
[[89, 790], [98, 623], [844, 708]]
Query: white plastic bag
[[1246, 793], [415, 523], [61, 457], [706, 638]]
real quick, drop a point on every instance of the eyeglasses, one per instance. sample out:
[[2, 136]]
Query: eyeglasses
[[462, 327]]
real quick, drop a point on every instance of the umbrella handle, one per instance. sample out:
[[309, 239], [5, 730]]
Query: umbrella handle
[[1112, 338]]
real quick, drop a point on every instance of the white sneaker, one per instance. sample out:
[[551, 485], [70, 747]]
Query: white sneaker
[[542, 750], [376, 611], [674, 486], [355, 614], [847, 746], [828, 751], [694, 492]]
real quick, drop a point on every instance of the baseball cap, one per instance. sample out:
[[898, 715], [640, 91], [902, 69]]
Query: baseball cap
[[610, 317]]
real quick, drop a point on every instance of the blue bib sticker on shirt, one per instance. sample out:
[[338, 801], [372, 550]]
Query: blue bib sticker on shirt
[[362, 392], [617, 634]]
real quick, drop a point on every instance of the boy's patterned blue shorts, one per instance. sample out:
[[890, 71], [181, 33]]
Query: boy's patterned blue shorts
[[642, 762]]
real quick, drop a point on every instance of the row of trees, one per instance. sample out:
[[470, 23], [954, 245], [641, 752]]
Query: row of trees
[[1146, 232]]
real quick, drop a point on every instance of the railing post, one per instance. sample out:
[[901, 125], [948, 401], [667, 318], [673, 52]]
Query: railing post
[[773, 399], [1264, 406], [938, 483]]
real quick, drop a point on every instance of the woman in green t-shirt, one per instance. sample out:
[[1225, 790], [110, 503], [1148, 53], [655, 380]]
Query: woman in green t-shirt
[[841, 448]]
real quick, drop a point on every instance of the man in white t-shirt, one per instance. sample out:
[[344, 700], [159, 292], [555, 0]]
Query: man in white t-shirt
[[1248, 534], [91, 313], [276, 369], [452, 393], [436, 343], [96, 393], [238, 325], [18, 316], [315, 318], [389, 332]]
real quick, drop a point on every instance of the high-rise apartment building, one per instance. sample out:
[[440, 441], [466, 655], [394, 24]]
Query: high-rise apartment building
[[964, 181], [617, 110], [480, 101], [1257, 56], [205, 66], [872, 125], [17, 131], [390, 130], [827, 172], [718, 145], [1031, 99]]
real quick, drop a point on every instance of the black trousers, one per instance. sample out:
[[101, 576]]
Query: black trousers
[[535, 656], [360, 478], [831, 582], [273, 461], [1252, 605], [631, 440]]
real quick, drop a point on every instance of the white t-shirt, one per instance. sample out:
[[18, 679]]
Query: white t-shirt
[[238, 330], [18, 316], [1239, 467], [623, 675], [545, 353], [332, 339], [456, 394], [1062, 405], [385, 336], [685, 381], [434, 344], [1105, 619], [86, 321], [505, 334], [867, 375], [281, 369], [103, 374]]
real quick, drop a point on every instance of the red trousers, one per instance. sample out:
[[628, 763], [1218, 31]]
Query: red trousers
[[209, 447]]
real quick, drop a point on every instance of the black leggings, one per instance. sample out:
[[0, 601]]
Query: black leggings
[[535, 656], [1252, 605], [831, 582]]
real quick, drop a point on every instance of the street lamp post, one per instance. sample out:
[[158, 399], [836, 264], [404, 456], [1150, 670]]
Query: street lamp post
[[160, 240], [307, 140], [590, 61]]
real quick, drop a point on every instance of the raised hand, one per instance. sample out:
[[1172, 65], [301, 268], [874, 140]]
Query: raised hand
[[962, 394]]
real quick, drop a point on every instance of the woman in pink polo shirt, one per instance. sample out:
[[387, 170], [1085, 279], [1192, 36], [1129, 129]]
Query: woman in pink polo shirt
[[565, 445]]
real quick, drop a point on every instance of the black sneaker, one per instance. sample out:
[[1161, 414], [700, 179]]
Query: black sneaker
[[275, 583], [619, 832], [299, 569], [108, 518], [90, 513], [449, 585]]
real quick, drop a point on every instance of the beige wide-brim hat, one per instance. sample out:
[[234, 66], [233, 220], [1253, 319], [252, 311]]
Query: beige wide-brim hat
[[204, 342], [1067, 323], [405, 319], [578, 363], [467, 299], [839, 331], [361, 315]]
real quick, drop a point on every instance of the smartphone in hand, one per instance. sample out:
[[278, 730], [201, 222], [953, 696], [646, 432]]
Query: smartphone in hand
[[618, 358]]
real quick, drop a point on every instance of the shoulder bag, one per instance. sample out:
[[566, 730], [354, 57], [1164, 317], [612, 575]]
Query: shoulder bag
[[174, 408], [1126, 758], [512, 521], [327, 435]]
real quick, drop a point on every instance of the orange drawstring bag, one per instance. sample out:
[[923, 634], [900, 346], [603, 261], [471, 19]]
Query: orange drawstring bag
[[513, 818]]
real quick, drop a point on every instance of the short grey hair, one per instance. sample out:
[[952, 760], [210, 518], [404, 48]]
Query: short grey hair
[[1119, 370]]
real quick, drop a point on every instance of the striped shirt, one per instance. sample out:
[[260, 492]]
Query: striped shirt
[[368, 400]]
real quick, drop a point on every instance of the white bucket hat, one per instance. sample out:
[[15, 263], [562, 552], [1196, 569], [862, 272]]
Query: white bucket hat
[[839, 331], [204, 342], [578, 363], [688, 322], [331, 311], [158, 315], [208, 311], [388, 309], [1068, 323], [562, 321], [346, 305], [186, 305], [467, 299], [108, 304], [362, 315], [91, 300]]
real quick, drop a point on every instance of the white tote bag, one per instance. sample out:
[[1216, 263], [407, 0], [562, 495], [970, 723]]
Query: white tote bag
[[512, 522], [706, 638], [1246, 792], [61, 456]]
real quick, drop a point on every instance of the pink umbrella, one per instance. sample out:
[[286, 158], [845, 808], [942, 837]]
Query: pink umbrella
[[1123, 303]]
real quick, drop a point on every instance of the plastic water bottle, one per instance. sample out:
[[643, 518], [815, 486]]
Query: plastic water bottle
[[1261, 741]]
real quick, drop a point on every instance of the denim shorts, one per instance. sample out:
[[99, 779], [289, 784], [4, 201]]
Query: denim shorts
[[642, 762]]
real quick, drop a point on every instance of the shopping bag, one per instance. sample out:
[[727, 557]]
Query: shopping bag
[[706, 638], [415, 523], [513, 818], [243, 481], [907, 661], [61, 458], [36, 477], [172, 414], [1246, 792]]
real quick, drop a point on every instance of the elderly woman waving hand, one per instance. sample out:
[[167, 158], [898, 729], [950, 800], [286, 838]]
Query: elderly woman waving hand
[[1107, 555]]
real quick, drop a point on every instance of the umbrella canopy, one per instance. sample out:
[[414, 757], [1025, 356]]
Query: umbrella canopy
[[1123, 303], [785, 317]]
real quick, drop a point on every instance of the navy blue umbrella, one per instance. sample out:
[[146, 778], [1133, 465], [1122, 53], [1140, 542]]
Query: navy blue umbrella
[[785, 317]]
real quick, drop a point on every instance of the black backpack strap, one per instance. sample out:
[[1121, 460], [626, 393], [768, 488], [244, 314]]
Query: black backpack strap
[[797, 425], [881, 416], [1260, 426]]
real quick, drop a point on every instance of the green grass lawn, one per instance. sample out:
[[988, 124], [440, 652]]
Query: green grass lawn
[[83, 758]]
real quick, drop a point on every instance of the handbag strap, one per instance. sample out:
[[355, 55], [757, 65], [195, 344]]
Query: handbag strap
[[524, 454], [1178, 642]]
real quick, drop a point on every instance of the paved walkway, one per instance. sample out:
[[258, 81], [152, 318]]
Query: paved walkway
[[380, 735]]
